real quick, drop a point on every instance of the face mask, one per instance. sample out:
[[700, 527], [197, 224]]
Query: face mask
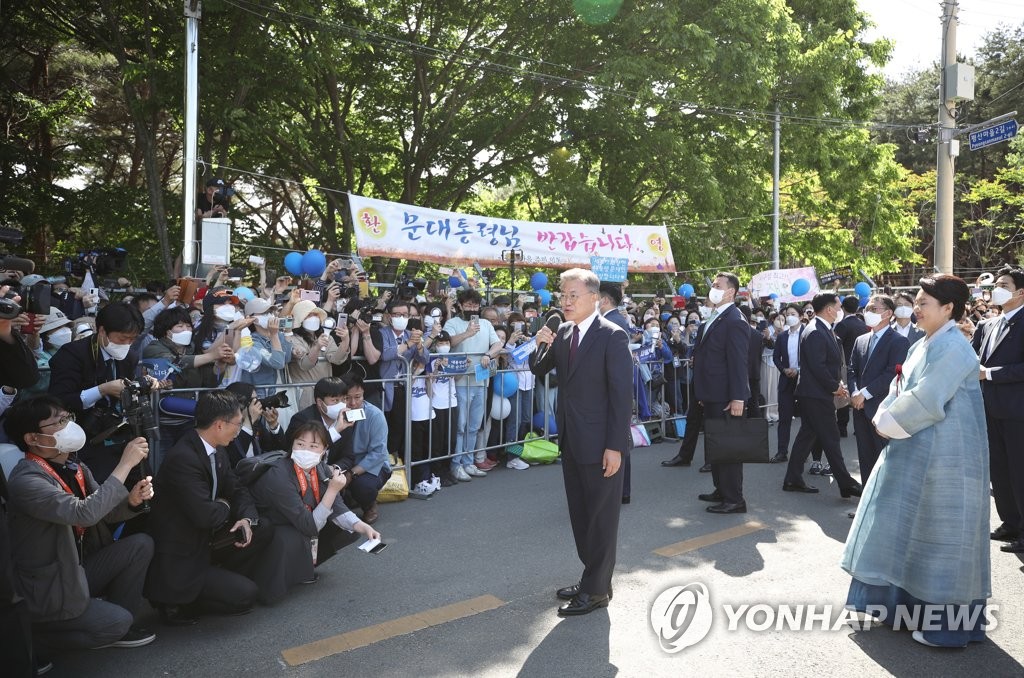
[[225, 312], [59, 337], [311, 324], [69, 439], [183, 338], [1000, 296], [263, 321], [704, 311], [442, 348], [871, 318], [904, 312], [715, 295], [655, 334], [305, 459], [399, 324], [672, 327], [792, 320], [335, 410], [758, 318], [117, 351], [840, 315]]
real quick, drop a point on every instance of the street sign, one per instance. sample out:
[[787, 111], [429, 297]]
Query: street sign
[[993, 135]]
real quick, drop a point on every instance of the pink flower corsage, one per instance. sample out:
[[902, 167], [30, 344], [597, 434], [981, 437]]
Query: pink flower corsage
[[899, 377]]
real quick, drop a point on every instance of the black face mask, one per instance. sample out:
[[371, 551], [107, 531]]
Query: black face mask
[[468, 315]]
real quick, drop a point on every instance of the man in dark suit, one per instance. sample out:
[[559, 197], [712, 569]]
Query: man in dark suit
[[786, 356], [260, 432], [594, 406], [88, 376], [610, 296], [848, 329], [873, 364], [754, 351], [821, 359], [999, 342], [721, 382], [204, 522], [328, 408]]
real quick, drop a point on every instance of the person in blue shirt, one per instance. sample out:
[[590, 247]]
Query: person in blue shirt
[[370, 448]]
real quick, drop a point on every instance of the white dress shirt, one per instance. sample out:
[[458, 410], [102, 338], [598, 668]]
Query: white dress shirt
[[863, 391], [1006, 317], [585, 324]]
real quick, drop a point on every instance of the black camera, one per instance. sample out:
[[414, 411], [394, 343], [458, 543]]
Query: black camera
[[278, 400], [407, 288], [34, 291], [224, 194]]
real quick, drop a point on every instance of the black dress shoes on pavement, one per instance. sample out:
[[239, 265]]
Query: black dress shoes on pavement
[[714, 497], [706, 468], [676, 461], [176, 615], [583, 603], [570, 592], [1015, 546], [1003, 533], [794, 487], [728, 508], [779, 458], [851, 490], [625, 499]]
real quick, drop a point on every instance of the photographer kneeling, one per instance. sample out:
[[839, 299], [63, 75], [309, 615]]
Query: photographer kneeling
[[301, 496], [261, 430], [63, 552]]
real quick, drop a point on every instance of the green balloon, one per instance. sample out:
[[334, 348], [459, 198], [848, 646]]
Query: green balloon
[[595, 12]]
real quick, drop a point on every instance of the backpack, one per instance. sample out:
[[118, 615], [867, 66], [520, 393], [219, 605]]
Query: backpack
[[249, 469]]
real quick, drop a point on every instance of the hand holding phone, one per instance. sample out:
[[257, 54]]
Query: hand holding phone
[[373, 546]]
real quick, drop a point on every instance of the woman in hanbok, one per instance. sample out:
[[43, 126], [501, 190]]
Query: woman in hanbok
[[919, 544]]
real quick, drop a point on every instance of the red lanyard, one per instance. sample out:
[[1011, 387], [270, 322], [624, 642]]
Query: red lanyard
[[301, 476], [79, 476]]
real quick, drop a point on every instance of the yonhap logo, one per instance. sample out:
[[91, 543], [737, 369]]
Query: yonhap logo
[[681, 616]]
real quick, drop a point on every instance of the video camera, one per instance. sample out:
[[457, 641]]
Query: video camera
[[407, 288], [102, 261], [34, 291]]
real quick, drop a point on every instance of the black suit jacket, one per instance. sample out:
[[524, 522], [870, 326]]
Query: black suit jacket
[[754, 356], [615, 317], [875, 373], [265, 439], [721, 355], [1004, 394], [848, 329], [780, 356], [341, 452], [595, 394], [79, 365], [184, 518], [18, 367], [821, 359]]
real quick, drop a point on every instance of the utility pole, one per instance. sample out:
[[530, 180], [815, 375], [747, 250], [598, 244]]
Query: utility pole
[[947, 147], [193, 13], [775, 191]]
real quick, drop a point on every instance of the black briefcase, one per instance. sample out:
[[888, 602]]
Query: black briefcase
[[736, 440]]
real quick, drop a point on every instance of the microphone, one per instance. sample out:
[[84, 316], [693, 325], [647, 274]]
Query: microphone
[[552, 324]]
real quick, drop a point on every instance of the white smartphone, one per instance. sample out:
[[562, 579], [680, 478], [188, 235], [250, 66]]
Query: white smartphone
[[355, 415], [372, 546]]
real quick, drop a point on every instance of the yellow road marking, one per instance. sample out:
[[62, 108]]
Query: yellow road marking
[[709, 539], [390, 629]]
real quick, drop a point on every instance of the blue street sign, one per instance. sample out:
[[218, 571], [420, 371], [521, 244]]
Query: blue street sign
[[993, 135]]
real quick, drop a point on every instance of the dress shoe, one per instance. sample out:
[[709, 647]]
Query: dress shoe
[[706, 468], [625, 499], [583, 603], [851, 490], [176, 615], [569, 592], [851, 515], [1003, 533], [1016, 546], [799, 487], [676, 461], [815, 469], [714, 497], [728, 508], [370, 515], [779, 458]]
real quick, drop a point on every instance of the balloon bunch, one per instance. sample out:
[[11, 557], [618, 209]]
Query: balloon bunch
[[539, 281], [313, 263]]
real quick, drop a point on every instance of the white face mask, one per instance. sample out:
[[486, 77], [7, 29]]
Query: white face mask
[[400, 324], [904, 312], [183, 338], [504, 310], [655, 334], [59, 337], [871, 318], [117, 351], [792, 320], [225, 312], [305, 459], [1001, 295], [442, 348], [311, 324], [334, 411], [716, 295], [69, 439], [839, 315], [263, 321]]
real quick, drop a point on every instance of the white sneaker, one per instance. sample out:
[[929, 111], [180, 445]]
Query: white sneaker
[[422, 490], [474, 471], [516, 463], [919, 637], [435, 483], [461, 475]]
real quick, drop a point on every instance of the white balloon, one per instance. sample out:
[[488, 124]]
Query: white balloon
[[500, 407]]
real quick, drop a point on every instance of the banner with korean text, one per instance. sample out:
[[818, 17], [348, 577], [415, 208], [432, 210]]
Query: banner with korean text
[[392, 229], [789, 284]]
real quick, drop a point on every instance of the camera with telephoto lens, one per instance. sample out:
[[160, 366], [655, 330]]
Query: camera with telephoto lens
[[277, 401], [407, 288], [35, 294]]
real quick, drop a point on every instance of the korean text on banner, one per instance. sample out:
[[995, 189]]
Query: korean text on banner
[[610, 269], [780, 282], [395, 230]]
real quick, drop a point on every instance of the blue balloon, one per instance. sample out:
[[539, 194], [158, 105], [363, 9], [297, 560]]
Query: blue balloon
[[864, 302], [800, 287], [862, 289], [244, 293], [538, 281], [538, 423], [507, 385], [293, 263], [773, 296], [686, 290], [454, 282], [314, 263], [544, 296]]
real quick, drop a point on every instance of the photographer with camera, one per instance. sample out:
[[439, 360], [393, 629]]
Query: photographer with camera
[[215, 201], [89, 375], [261, 428]]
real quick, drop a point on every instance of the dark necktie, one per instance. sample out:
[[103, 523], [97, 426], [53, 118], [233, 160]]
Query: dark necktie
[[575, 343]]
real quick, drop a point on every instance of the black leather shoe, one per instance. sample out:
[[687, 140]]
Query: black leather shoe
[[714, 497], [794, 487], [1003, 533], [569, 592], [1016, 546], [676, 461], [728, 508], [779, 458], [583, 603], [851, 515], [851, 491], [706, 468], [175, 615], [625, 499]]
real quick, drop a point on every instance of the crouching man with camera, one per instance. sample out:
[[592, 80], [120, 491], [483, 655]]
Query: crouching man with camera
[[208, 537], [261, 430]]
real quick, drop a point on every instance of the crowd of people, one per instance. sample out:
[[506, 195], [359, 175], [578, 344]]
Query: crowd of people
[[237, 494]]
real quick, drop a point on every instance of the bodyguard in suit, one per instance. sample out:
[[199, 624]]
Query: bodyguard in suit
[[786, 357], [873, 362], [721, 381], [821, 359], [610, 298], [848, 329], [201, 503], [999, 342], [595, 401]]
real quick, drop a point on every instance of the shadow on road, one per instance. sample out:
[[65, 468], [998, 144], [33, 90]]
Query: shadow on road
[[562, 649]]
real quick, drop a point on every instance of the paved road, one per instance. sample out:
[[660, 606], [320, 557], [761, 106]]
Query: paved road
[[503, 544]]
